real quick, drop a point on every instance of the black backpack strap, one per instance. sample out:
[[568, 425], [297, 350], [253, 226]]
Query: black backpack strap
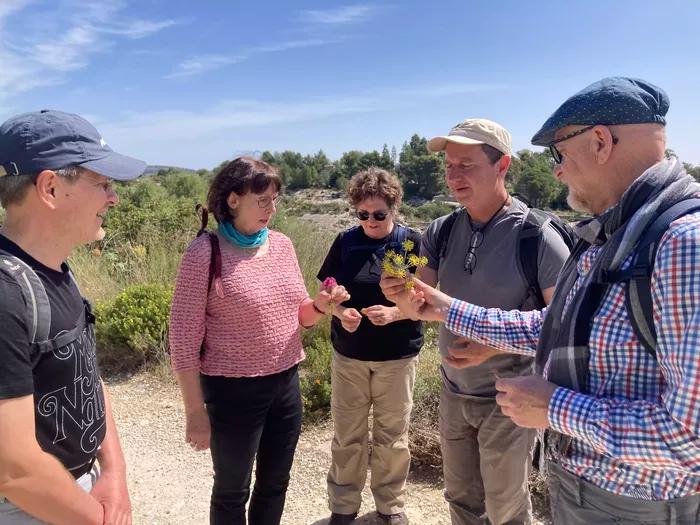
[[638, 299], [35, 298], [528, 249], [443, 235]]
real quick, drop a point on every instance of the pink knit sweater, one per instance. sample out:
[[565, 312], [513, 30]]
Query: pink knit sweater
[[254, 330]]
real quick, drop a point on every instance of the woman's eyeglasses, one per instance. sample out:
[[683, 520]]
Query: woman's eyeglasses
[[378, 216], [266, 200], [475, 240]]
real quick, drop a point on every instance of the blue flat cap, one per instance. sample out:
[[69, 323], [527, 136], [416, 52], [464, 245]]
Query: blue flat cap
[[51, 140], [611, 101]]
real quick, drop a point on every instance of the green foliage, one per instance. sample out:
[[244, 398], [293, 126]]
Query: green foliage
[[147, 208], [428, 211], [186, 185], [421, 172], [132, 327], [532, 177], [694, 171], [297, 171], [315, 379], [354, 161]]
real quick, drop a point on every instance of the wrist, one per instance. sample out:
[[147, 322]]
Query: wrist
[[318, 310]]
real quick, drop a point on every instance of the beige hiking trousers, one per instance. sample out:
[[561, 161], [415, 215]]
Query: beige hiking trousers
[[387, 387]]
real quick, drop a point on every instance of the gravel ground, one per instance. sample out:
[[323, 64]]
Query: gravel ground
[[170, 484]]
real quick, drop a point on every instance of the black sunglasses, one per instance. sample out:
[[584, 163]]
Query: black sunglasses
[[556, 154], [378, 216]]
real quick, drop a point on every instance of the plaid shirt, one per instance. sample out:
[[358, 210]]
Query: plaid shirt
[[637, 432]]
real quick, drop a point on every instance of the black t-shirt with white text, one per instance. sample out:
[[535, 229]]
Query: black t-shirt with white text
[[65, 382], [359, 270]]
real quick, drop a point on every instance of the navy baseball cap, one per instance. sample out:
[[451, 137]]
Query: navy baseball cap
[[611, 101], [49, 140]]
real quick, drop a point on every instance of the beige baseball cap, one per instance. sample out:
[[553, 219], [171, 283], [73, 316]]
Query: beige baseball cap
[[475, 131]]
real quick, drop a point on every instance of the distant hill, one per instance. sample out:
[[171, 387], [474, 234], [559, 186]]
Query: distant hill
[[150, 170]]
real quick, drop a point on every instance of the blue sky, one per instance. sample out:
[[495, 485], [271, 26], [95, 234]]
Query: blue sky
[[195, 83]]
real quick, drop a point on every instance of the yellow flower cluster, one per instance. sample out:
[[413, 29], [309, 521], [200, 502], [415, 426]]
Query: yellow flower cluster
[[399, 265]]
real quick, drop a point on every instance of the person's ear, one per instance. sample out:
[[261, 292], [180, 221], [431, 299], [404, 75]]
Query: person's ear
[[503, 165], [233, 200], [601, 143], [46, 187]]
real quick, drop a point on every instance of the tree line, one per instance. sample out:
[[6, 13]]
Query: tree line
[[421, 172]]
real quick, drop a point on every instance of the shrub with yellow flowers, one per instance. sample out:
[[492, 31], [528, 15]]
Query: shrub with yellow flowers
[[400, 264]]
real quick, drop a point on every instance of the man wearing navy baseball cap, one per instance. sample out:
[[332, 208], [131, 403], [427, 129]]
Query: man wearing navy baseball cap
[[56, 424], [618, 349]]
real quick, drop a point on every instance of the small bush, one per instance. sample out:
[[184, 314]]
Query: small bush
[[432, 210], [315, 379], [132, 328]]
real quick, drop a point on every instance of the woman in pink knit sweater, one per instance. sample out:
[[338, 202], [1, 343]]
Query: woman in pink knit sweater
[[236, 346]]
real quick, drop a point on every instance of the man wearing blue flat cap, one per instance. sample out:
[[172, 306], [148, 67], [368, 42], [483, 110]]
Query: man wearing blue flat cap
[[56, 423], [618, 348]]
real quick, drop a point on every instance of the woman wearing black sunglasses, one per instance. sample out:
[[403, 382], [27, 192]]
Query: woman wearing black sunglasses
[[374, 362]]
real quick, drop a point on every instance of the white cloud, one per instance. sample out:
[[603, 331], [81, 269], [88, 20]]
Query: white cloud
[[139, 28], [203, 63], [70, 37], [341, 15], [204, 135], [8, 7]]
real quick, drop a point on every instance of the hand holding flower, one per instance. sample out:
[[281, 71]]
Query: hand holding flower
[[331, 293], [400, 264]]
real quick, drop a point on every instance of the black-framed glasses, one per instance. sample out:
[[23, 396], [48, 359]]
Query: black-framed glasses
[[378, 216], [475, 240], [557, 155], [266, 200]]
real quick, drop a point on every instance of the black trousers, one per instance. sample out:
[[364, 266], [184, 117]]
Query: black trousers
[[252, 418]]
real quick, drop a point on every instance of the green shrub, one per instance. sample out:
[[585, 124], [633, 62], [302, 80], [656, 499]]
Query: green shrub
[[315, 379], [132, 328], [432, 210]]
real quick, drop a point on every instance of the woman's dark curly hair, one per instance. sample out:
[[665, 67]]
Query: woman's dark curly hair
[[375, 182], [241, 176]]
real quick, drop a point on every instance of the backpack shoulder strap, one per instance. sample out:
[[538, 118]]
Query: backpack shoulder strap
[[215, 264], [638, 299], [215, 259], [443, 235], [528, 249], [34, 293]]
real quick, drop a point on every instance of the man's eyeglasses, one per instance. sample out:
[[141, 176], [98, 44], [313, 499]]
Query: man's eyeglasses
[[475, 240], [266, 200], [378, 216], [556, 154]]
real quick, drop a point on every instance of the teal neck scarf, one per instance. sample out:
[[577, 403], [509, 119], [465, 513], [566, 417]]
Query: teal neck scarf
[[232, 235]]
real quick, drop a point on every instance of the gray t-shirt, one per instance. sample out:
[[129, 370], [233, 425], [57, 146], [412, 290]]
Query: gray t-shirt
[[496, 282]]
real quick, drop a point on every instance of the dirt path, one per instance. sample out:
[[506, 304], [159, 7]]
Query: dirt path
[[170, 484]]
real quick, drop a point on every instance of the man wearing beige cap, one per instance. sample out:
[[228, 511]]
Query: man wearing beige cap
[[474, 253]]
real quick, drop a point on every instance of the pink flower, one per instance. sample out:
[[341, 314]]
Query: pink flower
[[329, 283]]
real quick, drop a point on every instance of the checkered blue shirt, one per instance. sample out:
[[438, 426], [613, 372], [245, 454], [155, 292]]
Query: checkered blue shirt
[[637, 432]]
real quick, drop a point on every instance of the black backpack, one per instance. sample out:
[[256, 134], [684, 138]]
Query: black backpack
[[529, 238]]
